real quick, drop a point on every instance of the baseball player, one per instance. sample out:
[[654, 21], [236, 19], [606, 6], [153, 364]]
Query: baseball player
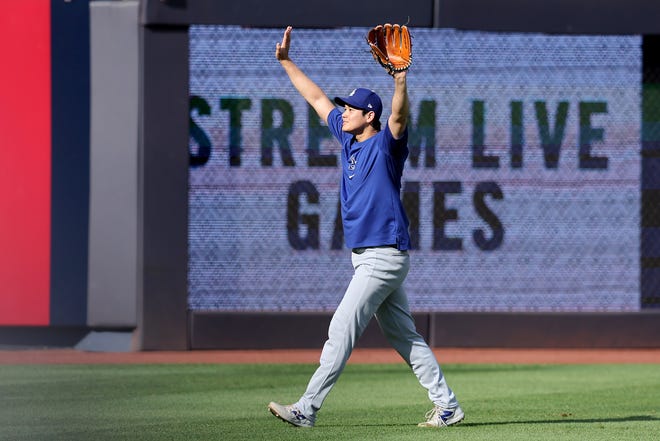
[[376, 229]]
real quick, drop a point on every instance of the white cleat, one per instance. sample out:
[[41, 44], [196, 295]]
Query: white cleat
[[439, 417], [290, 414]]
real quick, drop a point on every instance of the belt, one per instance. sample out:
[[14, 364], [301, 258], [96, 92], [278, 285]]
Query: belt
[[363, 249]]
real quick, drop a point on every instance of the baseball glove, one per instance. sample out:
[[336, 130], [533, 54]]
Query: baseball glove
[[391, 46]]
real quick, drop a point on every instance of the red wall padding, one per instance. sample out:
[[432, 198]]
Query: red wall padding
[[25, 162]]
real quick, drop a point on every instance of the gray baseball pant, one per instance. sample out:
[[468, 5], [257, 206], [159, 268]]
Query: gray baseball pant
[[375, 289]]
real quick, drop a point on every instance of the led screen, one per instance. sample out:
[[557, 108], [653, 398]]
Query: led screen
[[522, 186]]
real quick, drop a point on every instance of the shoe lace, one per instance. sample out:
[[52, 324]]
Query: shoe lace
[[431, 414], [436, 415]]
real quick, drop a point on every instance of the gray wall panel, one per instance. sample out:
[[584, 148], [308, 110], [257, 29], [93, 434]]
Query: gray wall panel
[[226, 330], [553, 16], [163, 189], [112, 281], [300, 13]]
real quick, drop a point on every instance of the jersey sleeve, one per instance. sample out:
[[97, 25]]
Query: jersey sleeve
[[334, 124], [396, 147]]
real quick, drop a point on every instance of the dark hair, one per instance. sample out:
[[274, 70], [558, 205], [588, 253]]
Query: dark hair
[[375, 123]]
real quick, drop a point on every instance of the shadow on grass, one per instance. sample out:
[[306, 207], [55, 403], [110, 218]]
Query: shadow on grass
[[567, 420]]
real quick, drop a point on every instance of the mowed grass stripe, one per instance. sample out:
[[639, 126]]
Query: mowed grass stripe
[[370, 402]]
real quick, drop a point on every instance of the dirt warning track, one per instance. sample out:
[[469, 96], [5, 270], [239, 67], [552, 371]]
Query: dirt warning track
[[444, 355]]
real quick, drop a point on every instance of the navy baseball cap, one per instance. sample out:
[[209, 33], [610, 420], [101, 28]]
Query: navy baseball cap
[[363, 99]]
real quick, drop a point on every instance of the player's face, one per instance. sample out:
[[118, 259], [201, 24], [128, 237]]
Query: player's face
[[354, 120]]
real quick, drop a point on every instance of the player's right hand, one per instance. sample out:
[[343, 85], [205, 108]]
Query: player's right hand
[[282, 49]]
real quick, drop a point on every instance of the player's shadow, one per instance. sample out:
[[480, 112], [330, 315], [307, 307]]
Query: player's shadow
[[567, 420]]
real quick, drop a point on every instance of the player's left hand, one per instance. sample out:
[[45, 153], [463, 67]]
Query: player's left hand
[[391, 46]]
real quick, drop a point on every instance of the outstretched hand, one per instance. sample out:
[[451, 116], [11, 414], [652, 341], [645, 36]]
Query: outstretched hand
[[282, 49]]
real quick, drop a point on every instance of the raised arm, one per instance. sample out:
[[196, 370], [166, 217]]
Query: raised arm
[[400, 105], [309, 90]]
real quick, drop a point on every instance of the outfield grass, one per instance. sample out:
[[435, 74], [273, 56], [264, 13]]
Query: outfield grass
[[370, 402]]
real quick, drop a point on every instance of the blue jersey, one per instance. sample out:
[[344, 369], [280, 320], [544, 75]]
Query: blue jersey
[[371, 208]]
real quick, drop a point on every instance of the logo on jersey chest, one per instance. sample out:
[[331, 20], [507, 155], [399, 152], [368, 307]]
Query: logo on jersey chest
[[351, 166], [351, 162]]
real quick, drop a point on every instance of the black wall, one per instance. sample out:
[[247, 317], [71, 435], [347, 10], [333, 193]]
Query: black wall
[[163, 220]]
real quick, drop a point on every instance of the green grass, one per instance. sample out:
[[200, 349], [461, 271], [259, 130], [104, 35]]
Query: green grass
[[370, 402]]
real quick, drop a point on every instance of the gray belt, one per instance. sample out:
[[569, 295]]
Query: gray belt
[[363, 249]]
